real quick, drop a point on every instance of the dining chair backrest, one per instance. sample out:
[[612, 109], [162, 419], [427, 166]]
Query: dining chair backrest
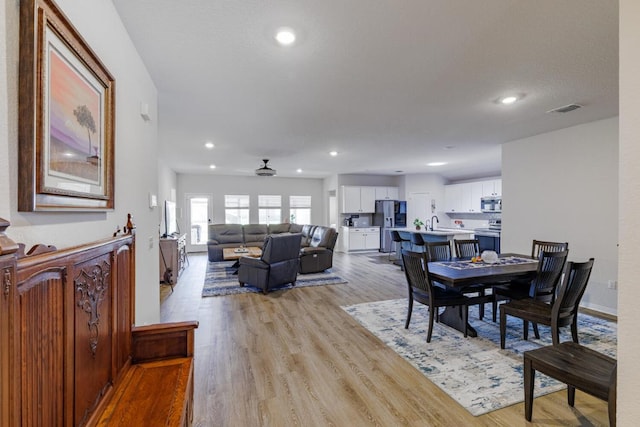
[[415, 270], [439, 251], [550, 266], [574, 283], [540, 245], [467, 248]]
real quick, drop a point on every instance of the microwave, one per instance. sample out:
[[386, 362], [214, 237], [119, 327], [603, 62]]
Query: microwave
[[491, 204]]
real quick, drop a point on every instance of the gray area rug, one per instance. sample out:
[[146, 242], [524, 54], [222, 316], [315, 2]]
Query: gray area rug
[[474, 371], [220, 280]]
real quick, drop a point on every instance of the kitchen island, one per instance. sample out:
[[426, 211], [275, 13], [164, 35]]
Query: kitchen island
[[437, 235]]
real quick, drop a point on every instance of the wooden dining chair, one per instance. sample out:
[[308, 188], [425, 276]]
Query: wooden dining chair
[[422, 289], [438, 251], [441, 251], [466, 248], [520, 288], [564, 310], [540, 245]]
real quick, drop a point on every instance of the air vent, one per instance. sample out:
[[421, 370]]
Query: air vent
[[565, 109]]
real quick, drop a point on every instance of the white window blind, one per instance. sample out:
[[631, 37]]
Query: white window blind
[[300, 209], [236, 209]]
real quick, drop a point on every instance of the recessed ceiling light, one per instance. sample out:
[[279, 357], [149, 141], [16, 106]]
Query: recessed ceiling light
[[285, 36], [508, 100], [212, 166], [299, 170], [436, 164], [333, 153], [209, 145]]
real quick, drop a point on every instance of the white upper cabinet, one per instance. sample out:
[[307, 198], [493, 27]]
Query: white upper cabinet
[[476, 194], [350, 199], [386, 193], [452, 197], [465, 197], [492, 188], [367, 199], [497, 187], [358, 199]]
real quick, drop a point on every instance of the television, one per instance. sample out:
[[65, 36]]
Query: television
[[170, 220]]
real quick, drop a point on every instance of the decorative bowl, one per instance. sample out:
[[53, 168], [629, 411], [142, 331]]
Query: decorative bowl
[[490, 257]]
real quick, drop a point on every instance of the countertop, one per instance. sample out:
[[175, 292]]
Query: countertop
[[436, 232]]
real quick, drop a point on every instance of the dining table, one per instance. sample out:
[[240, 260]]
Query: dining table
[[460, 273]]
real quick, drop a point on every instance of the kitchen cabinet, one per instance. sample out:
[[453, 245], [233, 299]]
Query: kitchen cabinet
[[475, 194], [361, 238], [452, 197], [358, 199], [492, 188], [461, 197], [465, 197], [386, 193]]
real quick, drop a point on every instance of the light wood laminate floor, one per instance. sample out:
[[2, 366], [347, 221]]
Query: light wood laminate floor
[[295, 358]]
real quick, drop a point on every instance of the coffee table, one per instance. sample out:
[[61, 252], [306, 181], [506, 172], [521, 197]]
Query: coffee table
[[229, 254]]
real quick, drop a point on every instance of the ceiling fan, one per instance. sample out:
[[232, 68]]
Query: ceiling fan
[[265, 170]]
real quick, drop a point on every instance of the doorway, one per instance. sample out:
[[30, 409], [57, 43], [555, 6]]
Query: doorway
[[199, 214]]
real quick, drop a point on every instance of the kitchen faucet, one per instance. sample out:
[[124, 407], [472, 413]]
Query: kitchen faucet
[[437, 220]]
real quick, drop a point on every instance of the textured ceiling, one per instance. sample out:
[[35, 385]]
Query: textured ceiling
[[389, 84]]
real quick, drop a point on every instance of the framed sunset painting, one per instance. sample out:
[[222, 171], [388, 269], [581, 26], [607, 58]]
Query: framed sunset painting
[[66, 122]]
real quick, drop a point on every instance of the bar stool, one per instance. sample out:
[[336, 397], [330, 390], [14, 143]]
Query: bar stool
[[396, 238], [417, 240]]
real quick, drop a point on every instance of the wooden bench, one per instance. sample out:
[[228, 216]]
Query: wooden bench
[[157, 390], [578, 367], [70, 353]]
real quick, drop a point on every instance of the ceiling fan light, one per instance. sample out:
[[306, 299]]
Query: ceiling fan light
[[265, 170]]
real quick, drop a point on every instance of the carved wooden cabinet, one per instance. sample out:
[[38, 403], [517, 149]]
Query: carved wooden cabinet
[[72, 315], [173, 255], [70, 355], [8, 376]]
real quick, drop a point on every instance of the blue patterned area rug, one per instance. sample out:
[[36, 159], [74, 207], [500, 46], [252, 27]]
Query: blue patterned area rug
[[474, 371], [219, 280]]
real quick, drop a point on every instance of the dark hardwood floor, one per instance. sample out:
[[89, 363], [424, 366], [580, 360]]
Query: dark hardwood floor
[[295, 358]]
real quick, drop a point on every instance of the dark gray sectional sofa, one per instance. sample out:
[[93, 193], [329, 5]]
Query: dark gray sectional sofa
[[316, 246]]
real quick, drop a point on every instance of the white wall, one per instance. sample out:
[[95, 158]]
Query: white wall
[[219, 185], [563, 186], [135, 149], [629, 267]]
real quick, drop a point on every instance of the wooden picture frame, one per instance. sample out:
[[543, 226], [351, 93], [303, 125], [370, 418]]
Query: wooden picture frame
[[66, 116]]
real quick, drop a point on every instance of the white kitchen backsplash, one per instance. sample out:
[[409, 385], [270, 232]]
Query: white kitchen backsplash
[[467, 223]]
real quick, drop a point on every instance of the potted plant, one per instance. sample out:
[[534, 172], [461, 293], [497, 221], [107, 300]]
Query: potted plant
[[418, 223]]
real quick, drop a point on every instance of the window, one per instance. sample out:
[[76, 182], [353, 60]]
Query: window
[[300, 209], [236, 209], [269, 209]]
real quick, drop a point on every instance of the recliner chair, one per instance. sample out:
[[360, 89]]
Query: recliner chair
[[318, 256], [277, 266]]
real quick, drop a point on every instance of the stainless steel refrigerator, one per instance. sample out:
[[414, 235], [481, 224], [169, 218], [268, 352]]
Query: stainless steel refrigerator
[[389, 214]]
